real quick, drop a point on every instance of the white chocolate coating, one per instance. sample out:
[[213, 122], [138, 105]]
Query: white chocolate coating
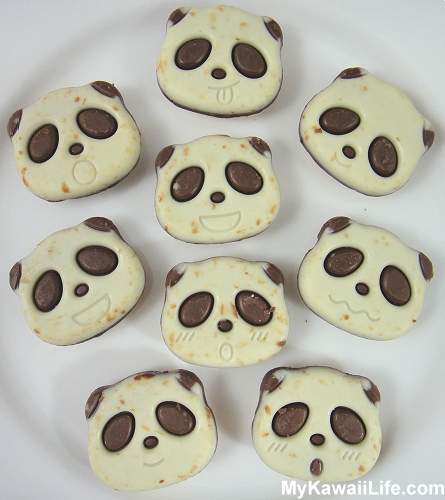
[[336, 300], [108, 300], [239, 216], [101, 164], [224, 27], [224, 277], [322, 390], [384, 111], [174, 458]]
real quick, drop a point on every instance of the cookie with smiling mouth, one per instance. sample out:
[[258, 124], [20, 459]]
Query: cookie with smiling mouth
[[364, 280], [220, 61]]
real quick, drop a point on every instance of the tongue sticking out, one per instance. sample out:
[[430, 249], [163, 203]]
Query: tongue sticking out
[[316, 467]]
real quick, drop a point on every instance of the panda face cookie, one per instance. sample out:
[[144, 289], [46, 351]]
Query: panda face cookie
[[364, 280], [74, 142], [150, 430], [225, 312], [78, 282], [220, 61], [216, 189], [317, 424], [365, 132]]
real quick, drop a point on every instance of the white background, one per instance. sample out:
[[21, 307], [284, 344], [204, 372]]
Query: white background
[[51, 44]]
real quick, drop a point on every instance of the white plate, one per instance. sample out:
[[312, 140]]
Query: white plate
[[48, 45]]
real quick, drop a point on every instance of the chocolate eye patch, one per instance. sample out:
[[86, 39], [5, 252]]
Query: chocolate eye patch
[[339, 121], [193, 54], [248, 61], [175, 418], [119, 431], [43, 143], [97, 260], [196, 309], [187, 184], [395, 286], [347, 425], [290, 419], [382, 156], [97, 123], [243, 178], [343, 261], [253, 308], [48, 291]]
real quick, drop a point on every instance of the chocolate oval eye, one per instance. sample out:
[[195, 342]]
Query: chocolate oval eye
[[289, 419], [119, 431], [383, 157], [98, 261], [243, 178], [395, 286], [253, 308], [193, 54], [339, 121], [248, 61], [97, 123], [43, 143], [196, 309], [175, 418], [343, 261], [347, 425], [48, 291], [187, 184]]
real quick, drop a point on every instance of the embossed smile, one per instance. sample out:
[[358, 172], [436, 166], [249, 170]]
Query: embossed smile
[[94, 312], [159, 462], [220, 223], [338, 302], [341, 163]]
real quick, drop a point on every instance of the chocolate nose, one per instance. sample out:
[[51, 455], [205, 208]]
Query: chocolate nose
[[362, 288], [151, 442], [225, 325], [81, 290], [217, 197], [349, 152], [219, 74], [317, 439], [76, 149]]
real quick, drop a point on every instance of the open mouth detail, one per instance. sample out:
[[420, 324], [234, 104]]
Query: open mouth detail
[[220, 223], [338, 302], [93, 313], [224, 95]]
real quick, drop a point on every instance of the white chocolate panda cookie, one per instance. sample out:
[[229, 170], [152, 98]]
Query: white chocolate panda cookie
[[78, 282], [317, 423], [364, 280], [220, 61], [74, 142], [216, 189], [150, 430], [225, 312], [366, 133]]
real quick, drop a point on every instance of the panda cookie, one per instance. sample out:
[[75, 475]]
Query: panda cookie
[[225, 312], [364, 280], [220, 61], [74, 142], [317, 424], [366, 133], [216, 189], [150, 430], [78, 282]]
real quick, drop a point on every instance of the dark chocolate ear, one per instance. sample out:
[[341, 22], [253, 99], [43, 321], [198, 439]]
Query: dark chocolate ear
[[273, 273], [372, 392], [93, 401], [426, 265], [187, 379], [102, 224], [15, 275], [14, 122], [270, 382], [428, 137], [259, 145], [274, 29], [350, 73], [335, 225], [177, 16], [163, 156], [107, 89], [174, 275]]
